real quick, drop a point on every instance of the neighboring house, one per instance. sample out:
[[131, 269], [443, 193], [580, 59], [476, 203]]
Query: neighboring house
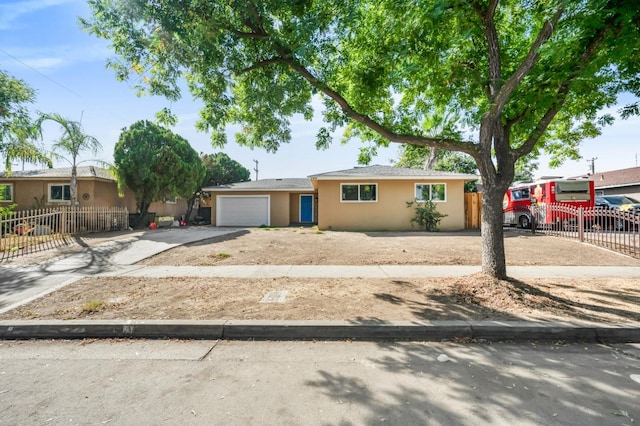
[[363, 198], [618, 182], [97, 187]]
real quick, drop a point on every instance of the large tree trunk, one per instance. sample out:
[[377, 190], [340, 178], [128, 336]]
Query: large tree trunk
[[495, 181], [493, 255]]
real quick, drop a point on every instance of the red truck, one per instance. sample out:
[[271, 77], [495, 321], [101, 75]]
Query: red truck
[[550, 191]]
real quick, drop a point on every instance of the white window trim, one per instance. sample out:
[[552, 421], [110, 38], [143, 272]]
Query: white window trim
[[358, 184], [58, 201], [415, 191], [171, 200], [10, 200]]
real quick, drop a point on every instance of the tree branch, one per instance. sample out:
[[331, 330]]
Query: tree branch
[[367, 121], [286, 56], [526, 65], [262, 64], [563, 91], [493, 45]]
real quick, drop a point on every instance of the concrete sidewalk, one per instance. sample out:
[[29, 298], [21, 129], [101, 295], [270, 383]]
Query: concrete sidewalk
[[22, 284]]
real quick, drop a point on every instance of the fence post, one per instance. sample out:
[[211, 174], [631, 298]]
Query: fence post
[[581, 224], [533, 219]]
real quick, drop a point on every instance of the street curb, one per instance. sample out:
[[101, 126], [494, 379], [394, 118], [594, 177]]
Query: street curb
[[321, 330]]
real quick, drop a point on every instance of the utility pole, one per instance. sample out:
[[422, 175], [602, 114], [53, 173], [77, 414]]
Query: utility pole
[[593, 164], [255, 169]]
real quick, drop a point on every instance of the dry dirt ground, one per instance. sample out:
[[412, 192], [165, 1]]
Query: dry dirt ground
[[470, 297]]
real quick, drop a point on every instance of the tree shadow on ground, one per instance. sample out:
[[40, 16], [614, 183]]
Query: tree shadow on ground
[[477, 298], [484, 384]]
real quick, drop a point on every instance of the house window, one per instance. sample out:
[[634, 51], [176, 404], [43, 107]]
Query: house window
[[366, 192], [171, 200], [6, 192], [436, 192], [59, 193]]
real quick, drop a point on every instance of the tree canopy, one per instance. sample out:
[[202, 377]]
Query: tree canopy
[[221, 169], [17, 130], [522, 76], [156, 164]]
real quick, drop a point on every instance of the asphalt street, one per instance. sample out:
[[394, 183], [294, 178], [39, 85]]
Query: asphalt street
[[167, 382]]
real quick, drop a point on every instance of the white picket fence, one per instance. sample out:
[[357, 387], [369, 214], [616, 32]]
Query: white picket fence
[[29, 231]]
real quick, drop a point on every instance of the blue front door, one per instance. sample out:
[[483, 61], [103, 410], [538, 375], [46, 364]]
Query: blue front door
[[306, 208]]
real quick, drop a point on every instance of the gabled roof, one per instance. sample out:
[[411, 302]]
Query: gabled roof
[[617, 178], [83, 172], [390, 172], [289, 184]]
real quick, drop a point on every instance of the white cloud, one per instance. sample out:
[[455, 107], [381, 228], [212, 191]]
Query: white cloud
[[13, 11], [43, 63], [52, 58]]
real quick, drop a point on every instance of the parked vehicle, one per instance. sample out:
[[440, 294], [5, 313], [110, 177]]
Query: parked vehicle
[[515, 206], [617, 212], [619, 202], [519, 198]]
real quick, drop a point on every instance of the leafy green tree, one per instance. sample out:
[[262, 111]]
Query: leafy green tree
[[524, 76], [156, 163], [420, 157], [17, 130], [70, 145], [220, 169]]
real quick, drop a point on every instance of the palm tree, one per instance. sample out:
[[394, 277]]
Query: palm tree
[[72, 142], [18, 144]]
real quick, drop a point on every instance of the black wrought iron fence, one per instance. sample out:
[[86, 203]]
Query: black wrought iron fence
[[28, 231], [613, 229]]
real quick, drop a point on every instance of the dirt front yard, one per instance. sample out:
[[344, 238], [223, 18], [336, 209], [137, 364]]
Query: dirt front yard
[[470, 297]]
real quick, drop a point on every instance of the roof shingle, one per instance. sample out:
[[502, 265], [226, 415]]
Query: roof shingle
[[289, 184], [378, 171], [62, 172], [613, 178]]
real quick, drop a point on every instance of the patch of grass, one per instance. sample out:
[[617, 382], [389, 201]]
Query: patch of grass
[[223, 256], [319, 232], [93, 306]]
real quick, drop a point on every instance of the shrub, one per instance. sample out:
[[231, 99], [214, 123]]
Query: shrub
[[427, 216]]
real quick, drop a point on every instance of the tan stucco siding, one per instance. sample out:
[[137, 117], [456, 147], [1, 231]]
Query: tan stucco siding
[[32, 194], [294, 204], [390, 211], [279, 205]]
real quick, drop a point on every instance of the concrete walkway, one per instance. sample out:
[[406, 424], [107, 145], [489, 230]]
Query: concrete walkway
[[22, 284]]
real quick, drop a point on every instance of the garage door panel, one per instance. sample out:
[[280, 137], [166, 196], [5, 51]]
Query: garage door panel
[[242, 210]]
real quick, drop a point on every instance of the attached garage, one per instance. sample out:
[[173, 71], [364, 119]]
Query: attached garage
[[243, 210], [270, 202]]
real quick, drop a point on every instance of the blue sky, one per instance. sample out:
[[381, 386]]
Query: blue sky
[[42, 44]]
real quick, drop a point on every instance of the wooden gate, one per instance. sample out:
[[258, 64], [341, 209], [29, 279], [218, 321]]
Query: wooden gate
[[472, 209]]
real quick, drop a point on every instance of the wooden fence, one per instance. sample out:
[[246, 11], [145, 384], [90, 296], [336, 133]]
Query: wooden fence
[[472, 209], [29, 231]]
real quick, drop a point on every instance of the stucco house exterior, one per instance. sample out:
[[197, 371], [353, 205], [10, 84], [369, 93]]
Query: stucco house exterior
[[372, 198], [97, 187]]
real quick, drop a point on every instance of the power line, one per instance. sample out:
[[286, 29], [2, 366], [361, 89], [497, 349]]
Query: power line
[[42, 75]]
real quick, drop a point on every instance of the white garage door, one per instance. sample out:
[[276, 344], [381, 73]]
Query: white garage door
[[245, 210]]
